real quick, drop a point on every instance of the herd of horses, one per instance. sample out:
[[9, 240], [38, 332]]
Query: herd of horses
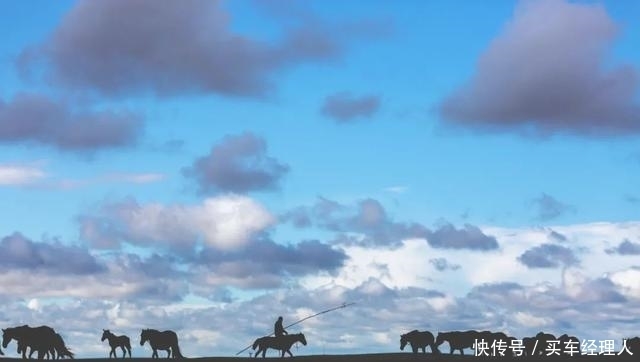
[[499, 344], [47, 343], [50, 344], [42, 339]]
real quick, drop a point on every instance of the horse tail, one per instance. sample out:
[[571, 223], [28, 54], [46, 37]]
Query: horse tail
[[176, 351], [256, 344], [64, 351], [60, 348]]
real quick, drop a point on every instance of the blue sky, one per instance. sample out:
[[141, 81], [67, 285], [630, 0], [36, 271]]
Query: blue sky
[[277, 158]]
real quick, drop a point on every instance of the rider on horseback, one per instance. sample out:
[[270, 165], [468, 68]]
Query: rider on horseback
[[278, 329]]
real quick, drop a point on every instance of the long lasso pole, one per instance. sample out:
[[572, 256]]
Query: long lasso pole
[[343, 305]]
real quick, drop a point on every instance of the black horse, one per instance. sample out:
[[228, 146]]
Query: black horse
[[282, 343], [42, 339], [457, 340], [117, 341], [57, 346], [166, 340], [418, 340]]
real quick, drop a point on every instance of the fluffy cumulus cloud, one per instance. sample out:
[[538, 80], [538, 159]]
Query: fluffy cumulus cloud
[[38, 119], [470, 237], [367, 221], [550, 79], [105, 46], [344, 107], [221, 242], [238, 164], [19, 252], [548, 256], [222, 222], [266, 264], [626, 247]]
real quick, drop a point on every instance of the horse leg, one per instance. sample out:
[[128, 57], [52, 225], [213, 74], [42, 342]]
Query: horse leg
[[289, 352], [155, 353]]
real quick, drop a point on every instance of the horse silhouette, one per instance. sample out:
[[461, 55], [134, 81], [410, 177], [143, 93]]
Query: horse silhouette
[[42, 339], [282, 343], [56, 346], [51, 353], [457, 340], [493, 341], [418, 340], [117, 341], [166, 340]]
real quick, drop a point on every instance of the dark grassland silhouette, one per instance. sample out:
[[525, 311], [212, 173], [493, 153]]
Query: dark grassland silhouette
[[42, 339], [117, 341], [282, 343], [166, 340], [418, 340]]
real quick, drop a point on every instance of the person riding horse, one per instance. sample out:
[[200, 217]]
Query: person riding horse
[[278, 329]]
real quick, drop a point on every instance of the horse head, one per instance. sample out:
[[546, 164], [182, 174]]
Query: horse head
[[301, 339], [105, 334], [144, 336], [6, 337], [403, 341], [442, 336]]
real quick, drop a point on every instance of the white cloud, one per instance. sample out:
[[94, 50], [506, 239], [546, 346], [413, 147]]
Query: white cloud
[[223, 222], [627, 280], [229, 221], [20, 175], [34, 304], [529, 320]]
